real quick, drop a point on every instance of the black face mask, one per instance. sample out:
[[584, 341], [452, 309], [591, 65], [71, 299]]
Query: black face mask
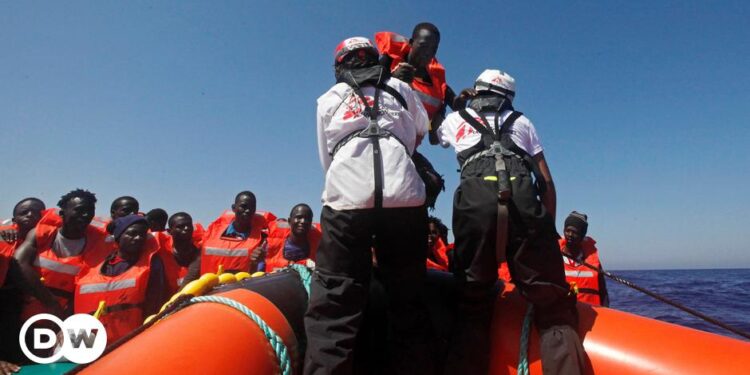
[[490, 103], [358, 72]]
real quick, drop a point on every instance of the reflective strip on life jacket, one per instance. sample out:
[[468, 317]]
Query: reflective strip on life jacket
[[227, 252], [107, 287], [573, 273], [429, 100], [53, 265]]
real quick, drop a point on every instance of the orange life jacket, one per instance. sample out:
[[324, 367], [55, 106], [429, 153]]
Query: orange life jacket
[[278, 231], [232, 253], [432, 94], [58, 274], [438, 260], [123, 294], [175, 273], [6, 253], [586, 280]]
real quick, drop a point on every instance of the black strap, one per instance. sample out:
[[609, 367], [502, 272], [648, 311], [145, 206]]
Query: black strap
[[505, 127], [478, 126], [588, 291], [397, 95]]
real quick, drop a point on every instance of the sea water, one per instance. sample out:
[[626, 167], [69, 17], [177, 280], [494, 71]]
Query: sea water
[[723, 294]]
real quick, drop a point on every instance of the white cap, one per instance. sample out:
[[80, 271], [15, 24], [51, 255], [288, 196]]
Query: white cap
[[496, 81]]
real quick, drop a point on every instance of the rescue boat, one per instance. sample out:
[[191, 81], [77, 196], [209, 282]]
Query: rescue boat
[[218, 334]]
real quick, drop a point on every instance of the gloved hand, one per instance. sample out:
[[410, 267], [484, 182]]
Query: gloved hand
[[405, 72], [463, 97]]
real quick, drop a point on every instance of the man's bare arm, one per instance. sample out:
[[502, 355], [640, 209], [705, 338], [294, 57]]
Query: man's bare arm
[[549, 197], [24, 256]]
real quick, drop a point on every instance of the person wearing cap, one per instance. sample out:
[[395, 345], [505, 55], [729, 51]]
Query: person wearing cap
[[500, 212], [130, 281], [579, 252], [57, 250], [368, 126], [413, 61]]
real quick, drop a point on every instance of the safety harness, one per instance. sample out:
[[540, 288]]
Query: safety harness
[[373, 131], [500, 147]]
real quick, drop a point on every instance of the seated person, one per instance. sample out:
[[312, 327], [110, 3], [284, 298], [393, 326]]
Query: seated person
[[293, 240]]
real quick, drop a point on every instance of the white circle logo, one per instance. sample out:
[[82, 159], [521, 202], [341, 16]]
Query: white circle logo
[[83, 338]]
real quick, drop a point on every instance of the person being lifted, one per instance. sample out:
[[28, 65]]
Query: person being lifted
[[236, 241], [413, 61], [578, 248], [58, 250], [499, 212], [293, 240], [368, 127]]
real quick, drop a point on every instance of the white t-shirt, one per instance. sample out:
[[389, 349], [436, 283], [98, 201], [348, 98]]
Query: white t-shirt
[[456, 132], [350, 177]]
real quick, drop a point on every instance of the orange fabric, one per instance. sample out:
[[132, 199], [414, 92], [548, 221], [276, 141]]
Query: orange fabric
[[58, 274], [123, 294], [232, 253], [503, 272], [175, 273], [432, 94], [586, 280], [278, 231], [438, 259]]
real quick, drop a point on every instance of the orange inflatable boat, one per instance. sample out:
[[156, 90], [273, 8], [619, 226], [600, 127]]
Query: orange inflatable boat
[[213, 338]]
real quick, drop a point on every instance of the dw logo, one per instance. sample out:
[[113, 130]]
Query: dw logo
[[83, 338]]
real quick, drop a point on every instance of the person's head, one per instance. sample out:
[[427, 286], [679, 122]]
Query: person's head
[[354, 53], [181, 227], [123, 206], [27, 213], [424, 44], [300, 219], [77, 209], [436, 229], [157, 219], [244, 207], [576, 226], [130, 233]]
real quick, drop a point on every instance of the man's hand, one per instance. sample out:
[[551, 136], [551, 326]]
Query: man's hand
[[463, 97], [405, 72], [258, 253], [7, 368], [9, 235]]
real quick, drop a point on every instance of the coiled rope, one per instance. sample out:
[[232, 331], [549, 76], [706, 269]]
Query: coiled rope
[[279, 348], [523, 351], [305, 276]]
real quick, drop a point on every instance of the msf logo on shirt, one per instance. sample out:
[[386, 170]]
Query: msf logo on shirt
[[81, 338]]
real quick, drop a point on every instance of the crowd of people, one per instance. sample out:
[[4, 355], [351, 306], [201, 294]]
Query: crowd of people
[[386, 99]]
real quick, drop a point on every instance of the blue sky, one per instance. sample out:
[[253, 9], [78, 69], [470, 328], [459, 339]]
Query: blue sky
[[642, 107]]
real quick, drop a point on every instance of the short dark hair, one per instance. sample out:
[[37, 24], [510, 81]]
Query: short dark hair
[[426, 26], [157, 214], [441, 227], [32, 199], [300, 205], [126, 197], [245, 193], [179, 214], [77, 193]]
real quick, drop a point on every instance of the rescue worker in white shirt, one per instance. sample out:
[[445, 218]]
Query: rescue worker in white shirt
[[368, 127], [500, 212], [577, 249]]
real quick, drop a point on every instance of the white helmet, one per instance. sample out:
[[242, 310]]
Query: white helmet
[[496, 81]]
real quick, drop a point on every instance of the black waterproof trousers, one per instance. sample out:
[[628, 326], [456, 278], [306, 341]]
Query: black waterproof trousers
[[534, 262], [340, 286]]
